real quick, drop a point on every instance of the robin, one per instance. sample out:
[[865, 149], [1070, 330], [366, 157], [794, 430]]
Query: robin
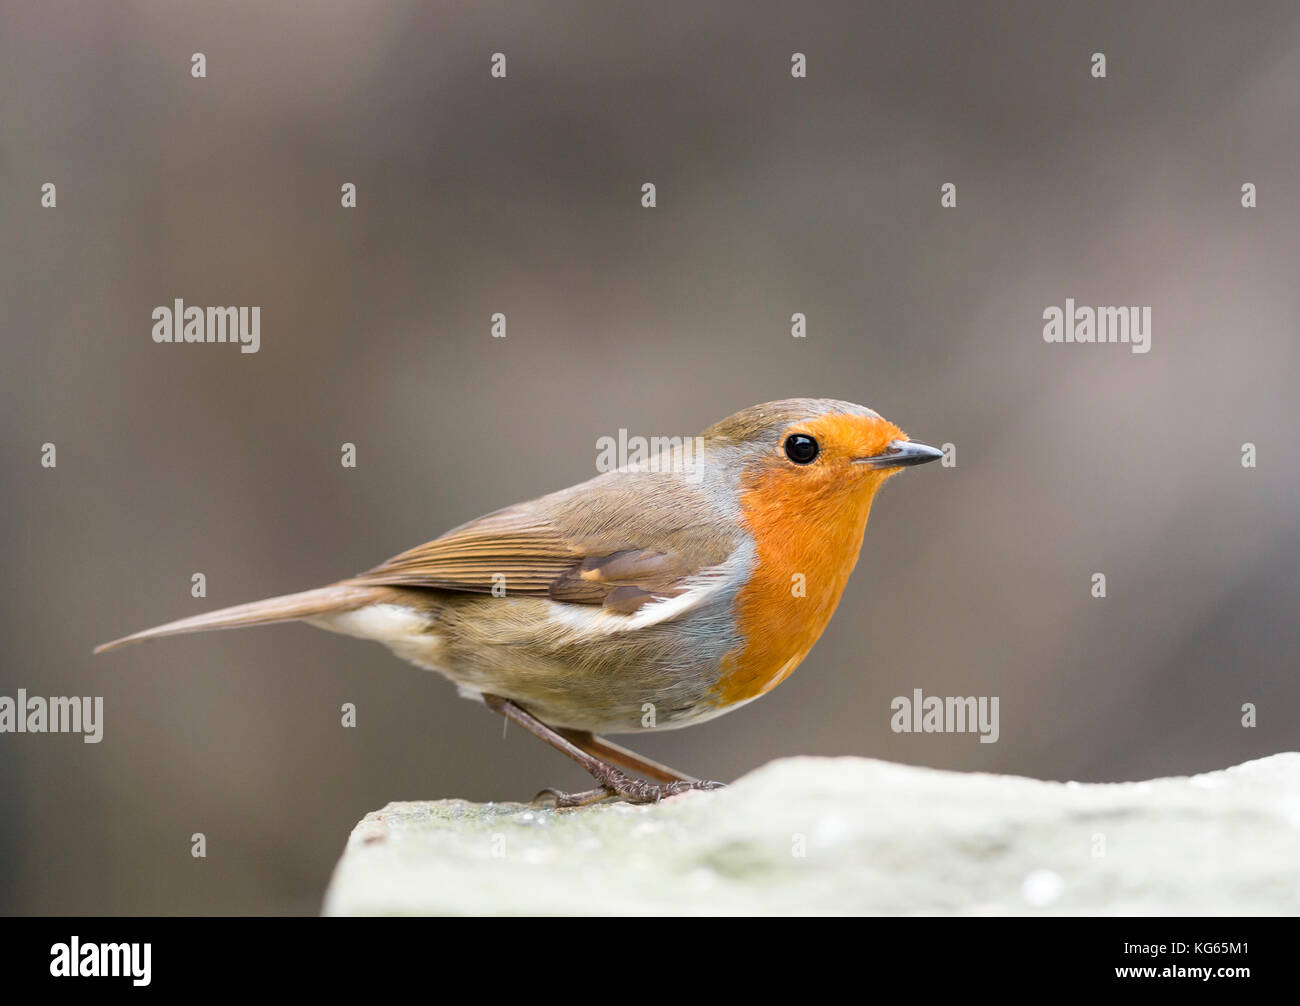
[[664, 593]]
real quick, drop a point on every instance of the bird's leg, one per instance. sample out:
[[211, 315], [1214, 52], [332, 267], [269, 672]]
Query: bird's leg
[[613, 781], [608, 751]]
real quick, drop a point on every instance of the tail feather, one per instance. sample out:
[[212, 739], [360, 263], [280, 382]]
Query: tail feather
[[335, 598]]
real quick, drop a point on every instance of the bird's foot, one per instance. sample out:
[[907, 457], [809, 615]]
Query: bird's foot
[[551, 797], [618, 785]]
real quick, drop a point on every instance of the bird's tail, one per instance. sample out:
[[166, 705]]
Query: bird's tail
[[337, 597]]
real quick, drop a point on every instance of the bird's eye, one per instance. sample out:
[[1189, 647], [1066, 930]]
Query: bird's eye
[[801, 448]]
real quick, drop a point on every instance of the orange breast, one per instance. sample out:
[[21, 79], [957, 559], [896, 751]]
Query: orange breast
[[807, 544]]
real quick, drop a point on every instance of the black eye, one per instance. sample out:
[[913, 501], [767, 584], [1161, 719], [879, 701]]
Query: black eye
[[801, 448]]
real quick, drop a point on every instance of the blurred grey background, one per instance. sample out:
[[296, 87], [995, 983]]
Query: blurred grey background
[[478, 195]]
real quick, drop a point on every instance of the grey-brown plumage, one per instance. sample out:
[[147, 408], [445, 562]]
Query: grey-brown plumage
[[592, 605]]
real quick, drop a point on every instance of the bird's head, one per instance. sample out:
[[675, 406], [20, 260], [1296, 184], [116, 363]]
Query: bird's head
[[807, 470], [816, 452]]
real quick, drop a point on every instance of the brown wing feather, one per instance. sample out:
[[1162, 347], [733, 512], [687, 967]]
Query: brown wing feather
[[618, 540], [528, 552]]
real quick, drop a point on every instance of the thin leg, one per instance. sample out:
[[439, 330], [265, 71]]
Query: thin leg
[[608, 751], [613, 781]]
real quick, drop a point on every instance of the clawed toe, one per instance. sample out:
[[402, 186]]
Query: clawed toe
[[622, 787], [674, 788], [551, 797], [638, 791], [704, 784]]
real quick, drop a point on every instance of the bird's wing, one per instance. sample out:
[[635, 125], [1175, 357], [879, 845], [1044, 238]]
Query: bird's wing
[[619, 541]]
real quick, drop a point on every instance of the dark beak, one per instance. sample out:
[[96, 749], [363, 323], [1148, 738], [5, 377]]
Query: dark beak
[[902, 454]]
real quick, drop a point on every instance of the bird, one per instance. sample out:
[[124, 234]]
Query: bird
[[659, 594]]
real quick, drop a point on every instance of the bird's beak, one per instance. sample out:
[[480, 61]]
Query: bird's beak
[[902, 454]]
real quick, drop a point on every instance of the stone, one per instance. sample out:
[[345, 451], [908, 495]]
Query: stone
[[848, 836]]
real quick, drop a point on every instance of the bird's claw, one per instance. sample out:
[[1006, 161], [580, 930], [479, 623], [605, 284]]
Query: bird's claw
[[623, 787]]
